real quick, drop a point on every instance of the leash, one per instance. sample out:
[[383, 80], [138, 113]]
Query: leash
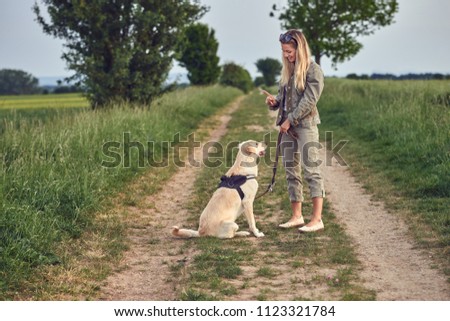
[[274, 168], [275, 165]]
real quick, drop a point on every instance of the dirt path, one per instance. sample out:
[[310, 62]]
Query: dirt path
[[392, 265], [145, 272]]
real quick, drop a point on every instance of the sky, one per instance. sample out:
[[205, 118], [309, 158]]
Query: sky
[[417, 42]]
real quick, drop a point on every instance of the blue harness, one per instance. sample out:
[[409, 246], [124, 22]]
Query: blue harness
[[235, 182]]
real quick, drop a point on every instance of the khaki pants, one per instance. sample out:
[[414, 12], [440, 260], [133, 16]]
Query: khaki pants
[[304, 150]]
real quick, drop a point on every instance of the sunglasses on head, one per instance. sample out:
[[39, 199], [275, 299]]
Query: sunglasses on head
[[286, 37]]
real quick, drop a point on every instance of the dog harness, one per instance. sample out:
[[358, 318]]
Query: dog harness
[[235, 182]]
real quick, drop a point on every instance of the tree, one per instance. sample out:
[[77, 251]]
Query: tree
[[259, 81], [198, 54], [236, 76], [270, 69], [331, 27], [120, 50], [17, 82]]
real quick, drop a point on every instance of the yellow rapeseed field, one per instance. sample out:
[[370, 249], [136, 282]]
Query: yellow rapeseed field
[[43, 101]]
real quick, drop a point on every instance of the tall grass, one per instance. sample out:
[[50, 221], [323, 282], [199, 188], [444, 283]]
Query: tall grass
[[30, 117], [53, 181], [398, 131]]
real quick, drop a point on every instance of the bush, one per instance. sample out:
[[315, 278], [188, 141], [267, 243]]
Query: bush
[[17, 82], [236, 76], [259, 81]]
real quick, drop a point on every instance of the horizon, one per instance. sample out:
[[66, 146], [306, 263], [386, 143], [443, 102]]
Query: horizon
[[51, 81]]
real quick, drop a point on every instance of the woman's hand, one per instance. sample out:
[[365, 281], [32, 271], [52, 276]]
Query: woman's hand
[[270, 99], [285, 126]]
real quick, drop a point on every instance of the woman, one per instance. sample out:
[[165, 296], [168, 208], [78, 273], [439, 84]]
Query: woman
[[300, 87]]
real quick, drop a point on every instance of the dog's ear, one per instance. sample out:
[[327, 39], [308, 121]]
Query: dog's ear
[[249, 148]]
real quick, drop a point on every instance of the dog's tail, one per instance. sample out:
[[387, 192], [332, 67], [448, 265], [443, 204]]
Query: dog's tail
[[176, 231]]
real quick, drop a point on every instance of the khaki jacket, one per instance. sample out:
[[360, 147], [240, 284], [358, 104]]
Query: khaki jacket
[[301, 106]]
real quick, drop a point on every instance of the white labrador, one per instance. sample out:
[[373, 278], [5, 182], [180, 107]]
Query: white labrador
[[225, 206]]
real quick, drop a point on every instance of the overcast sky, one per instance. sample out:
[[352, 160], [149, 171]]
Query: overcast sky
[[417, 42]]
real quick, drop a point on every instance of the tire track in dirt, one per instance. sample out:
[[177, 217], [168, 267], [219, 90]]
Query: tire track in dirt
[[144, 273], [392, 263]]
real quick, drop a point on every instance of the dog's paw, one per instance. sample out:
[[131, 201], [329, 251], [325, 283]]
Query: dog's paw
[[258, 234]]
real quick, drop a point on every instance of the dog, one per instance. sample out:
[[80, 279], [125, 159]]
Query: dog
[[218, 219]]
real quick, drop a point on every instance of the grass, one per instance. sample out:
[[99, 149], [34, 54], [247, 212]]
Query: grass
[[17, 118], [283, 263], [399, 148], [53, 186]]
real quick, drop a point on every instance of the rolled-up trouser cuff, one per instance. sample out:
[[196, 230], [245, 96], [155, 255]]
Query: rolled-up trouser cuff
[[318, 194]]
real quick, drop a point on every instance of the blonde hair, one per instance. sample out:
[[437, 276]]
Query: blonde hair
[[302, 60]]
